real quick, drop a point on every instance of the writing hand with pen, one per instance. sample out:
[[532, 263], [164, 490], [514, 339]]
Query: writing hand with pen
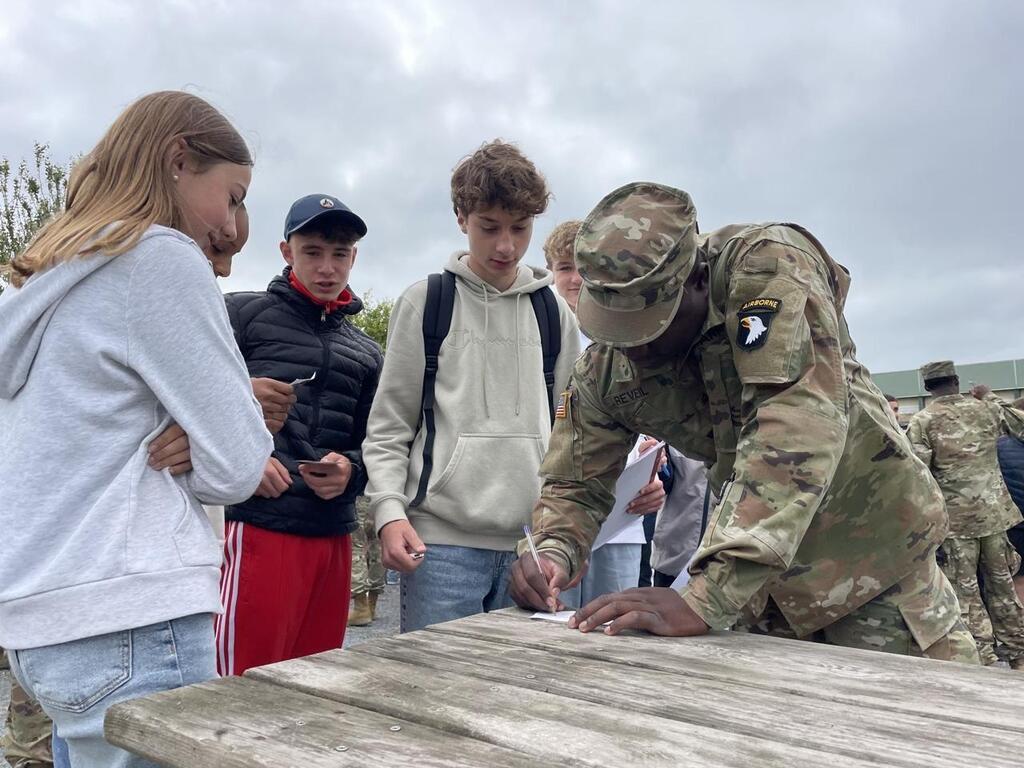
[[660, 611], [536, 581]]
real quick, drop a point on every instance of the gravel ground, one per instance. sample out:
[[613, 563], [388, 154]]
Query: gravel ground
[[385, 625]]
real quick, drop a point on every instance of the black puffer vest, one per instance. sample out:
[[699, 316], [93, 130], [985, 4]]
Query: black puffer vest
[[1011, 462], [284, 336]]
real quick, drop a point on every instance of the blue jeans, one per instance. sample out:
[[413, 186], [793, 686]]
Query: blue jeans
[[59, 750], [77, 682], [454, 582], [613, 568]]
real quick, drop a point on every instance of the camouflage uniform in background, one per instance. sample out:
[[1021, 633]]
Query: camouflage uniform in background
[[367, 569], [827, 526], [27, 730], [955, 436]]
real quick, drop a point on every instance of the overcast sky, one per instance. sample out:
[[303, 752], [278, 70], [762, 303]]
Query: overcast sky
[[891, 129]]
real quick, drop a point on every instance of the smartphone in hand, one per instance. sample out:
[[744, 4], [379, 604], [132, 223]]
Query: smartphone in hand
[[321, 468]]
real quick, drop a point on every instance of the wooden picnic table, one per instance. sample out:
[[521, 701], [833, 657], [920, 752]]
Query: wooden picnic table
[[500, 689]]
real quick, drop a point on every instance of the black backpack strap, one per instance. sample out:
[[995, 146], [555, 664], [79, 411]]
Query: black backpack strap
[[545, 307], [437, 319]]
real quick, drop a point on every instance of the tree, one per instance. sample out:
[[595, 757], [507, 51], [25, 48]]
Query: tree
[[374, 319], [29, 196]]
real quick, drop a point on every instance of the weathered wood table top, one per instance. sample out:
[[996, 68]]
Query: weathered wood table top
[[502, 690]]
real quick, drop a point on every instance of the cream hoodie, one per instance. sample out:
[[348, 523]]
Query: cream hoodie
[[491, 413]]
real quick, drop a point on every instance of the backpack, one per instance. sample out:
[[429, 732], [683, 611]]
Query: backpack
[[437, 319]]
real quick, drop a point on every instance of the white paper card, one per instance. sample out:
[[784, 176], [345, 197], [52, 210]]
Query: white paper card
[[635, 476]]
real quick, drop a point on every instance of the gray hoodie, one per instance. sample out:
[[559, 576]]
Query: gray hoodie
[[491, 413], [97, 356]]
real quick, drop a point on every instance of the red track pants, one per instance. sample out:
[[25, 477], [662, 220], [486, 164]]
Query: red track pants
[[284, 596]]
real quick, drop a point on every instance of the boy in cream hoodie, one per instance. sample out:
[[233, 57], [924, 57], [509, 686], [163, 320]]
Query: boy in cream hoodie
[[491, 411]]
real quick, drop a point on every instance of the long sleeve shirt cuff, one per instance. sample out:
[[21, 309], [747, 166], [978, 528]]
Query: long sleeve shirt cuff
[[709, 602], [387, 511], [357, 482], [550, 549]]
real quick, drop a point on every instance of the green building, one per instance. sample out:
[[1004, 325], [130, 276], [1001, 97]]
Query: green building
[[1005, 377]]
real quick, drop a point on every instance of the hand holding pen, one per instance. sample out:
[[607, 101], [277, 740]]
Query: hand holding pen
[[536, 581]]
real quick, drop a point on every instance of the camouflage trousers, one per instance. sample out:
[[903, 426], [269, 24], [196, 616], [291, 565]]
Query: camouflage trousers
[[982, 574], [27, 730], [918, 616], [367, 569]]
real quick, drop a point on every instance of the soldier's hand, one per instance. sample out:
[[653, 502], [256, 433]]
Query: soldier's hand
[[398, 543], [276, 399], [658, 610], [980, 390], [537, 589], [171, 450], [648, 499]]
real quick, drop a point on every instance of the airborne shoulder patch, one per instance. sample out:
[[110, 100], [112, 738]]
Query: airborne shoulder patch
[[755, 318]]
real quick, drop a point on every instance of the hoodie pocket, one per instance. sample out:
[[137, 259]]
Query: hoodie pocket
[[194, 538], [490, 482]]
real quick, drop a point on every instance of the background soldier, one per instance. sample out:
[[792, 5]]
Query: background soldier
[[733, 348], [27, 729], [367, 569], [956, 435]]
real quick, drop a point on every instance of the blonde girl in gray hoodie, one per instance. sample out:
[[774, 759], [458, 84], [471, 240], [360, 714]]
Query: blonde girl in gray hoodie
[[112, 329]]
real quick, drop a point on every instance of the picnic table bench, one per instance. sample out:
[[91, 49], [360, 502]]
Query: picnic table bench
[[500, 689]]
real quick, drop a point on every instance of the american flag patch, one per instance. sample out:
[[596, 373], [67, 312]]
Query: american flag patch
[[563, 405]]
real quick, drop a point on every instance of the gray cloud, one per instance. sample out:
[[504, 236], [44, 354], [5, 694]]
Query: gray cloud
[[890, 129]]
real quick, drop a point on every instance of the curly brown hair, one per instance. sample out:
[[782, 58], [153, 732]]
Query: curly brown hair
[[559, 244], [498, 174]]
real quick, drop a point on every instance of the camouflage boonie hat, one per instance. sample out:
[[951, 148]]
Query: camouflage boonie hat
[[943, 369], [634, 252]]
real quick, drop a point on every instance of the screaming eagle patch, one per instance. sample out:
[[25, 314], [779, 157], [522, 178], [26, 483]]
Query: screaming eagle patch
[[755, 321]]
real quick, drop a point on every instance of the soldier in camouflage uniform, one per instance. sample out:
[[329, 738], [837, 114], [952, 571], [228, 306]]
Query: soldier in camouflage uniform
[[27, 730], [367, 569], [733, 348], [955, 436]]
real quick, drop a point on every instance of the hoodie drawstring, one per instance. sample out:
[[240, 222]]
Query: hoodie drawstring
[[518, 377], [483, 370]]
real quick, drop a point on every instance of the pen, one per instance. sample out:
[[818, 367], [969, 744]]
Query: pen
[[533, 550]]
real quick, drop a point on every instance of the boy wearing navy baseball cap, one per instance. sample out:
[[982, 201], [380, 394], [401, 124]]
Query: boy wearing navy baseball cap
[[287, 552]]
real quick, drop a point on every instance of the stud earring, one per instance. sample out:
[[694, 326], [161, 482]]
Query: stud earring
[[175, 177]]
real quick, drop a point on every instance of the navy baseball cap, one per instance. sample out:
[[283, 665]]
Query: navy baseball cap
[[310, 207]]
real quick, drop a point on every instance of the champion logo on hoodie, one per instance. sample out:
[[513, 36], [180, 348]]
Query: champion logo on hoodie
[[461, 339]]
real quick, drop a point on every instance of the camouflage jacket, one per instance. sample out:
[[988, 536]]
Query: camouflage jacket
[[823, 506], [955, 435]]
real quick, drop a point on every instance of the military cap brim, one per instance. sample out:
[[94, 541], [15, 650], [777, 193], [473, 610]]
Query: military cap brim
[[625, 327]]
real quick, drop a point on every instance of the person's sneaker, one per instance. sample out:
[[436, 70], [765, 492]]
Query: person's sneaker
[[361, 614]]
